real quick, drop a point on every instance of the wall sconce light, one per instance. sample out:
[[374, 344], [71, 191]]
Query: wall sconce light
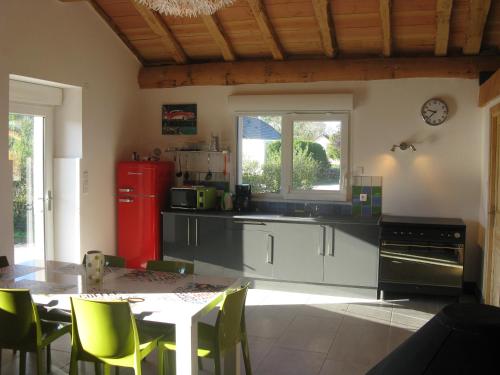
[[403, 146]]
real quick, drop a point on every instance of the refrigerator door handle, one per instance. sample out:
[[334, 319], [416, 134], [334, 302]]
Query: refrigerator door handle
[[125, 200], [125, 190], [188, 233]]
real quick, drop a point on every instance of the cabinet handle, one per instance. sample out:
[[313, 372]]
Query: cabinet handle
[[188, 233], [125, 190], [321, 247], [135, 173], [270, 249], [331, 247], [196, 232], [125, 200], [248, 222]]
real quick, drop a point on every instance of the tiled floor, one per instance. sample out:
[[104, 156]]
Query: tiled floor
[[302, 334]]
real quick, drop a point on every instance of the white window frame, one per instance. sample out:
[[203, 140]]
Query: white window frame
[[286, 192]]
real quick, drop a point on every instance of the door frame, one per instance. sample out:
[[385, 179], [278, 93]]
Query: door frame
[[493, 175], [48, 156]]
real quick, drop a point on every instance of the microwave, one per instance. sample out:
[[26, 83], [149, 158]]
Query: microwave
[[193, 198]]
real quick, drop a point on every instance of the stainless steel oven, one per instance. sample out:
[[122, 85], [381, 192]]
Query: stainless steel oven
[[421, 255]]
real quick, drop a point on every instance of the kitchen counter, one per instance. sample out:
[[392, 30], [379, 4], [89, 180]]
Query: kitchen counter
[[262, 216]]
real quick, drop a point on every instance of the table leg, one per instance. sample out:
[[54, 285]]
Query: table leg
[[186, 336]]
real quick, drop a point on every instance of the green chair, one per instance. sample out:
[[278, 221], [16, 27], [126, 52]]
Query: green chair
[[213, 341], [4, 262], [170, 266], [106, 332], [111, 261], [22, 329]]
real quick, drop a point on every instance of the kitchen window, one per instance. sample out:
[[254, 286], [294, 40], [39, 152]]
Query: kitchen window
[[294, 156]]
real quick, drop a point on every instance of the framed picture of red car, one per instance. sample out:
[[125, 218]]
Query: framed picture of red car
[[178, 119]]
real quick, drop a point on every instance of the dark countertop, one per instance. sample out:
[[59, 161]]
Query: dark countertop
[[263, 216]]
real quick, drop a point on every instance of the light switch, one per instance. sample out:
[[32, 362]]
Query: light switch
[[85, 182], [363, 197]]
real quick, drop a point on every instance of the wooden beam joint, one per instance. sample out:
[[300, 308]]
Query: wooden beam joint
[[215, 29], [266, 28], [385, 18], [490, 89], [158, 26], [323, 15], [478, 14]]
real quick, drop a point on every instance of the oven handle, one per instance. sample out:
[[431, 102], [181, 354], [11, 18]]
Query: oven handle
[[457, 247], [420, 261]]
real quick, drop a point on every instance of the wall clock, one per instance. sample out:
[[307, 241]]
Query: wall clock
[[434, 111]]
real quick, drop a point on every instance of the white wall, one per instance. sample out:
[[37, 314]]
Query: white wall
[[443, 178], [69, 43], [68, 125]]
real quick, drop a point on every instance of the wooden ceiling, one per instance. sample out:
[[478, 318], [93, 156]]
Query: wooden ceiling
[[279, 29], [283, 30]]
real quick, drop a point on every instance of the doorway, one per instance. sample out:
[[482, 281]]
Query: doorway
[[30, 150], [492, 278]]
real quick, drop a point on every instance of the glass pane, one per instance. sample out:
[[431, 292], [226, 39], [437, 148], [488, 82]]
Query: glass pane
[[316, 155], [26, 153], [261, 153]]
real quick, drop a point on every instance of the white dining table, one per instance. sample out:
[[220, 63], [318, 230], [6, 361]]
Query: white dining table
[[162, 297]]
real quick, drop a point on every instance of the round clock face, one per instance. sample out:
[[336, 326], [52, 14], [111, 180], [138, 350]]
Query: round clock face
[[434, 111]]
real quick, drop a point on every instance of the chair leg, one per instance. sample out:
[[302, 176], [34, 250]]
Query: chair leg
[[117, 370], [49, 359], [200, 363], [73, 364], [22, 363], [97, 368], [161, 361], [107, 369], [246, 355], [172, 368], [217, 363], [39, 362]]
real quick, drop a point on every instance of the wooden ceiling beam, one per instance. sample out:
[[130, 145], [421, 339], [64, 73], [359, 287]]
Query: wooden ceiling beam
[[215, 29], [385, 18], [478, 13], [322, 11], [266, 28], [243, 72], [443, 15], [490, 89], [158, 26]]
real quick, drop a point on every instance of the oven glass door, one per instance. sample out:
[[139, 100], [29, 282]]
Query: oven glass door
[[430, 264]]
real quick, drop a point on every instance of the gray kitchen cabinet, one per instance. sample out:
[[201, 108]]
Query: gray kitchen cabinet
[[251, 248], [299, 252], [178, 236], [211, 251], [351, 255]]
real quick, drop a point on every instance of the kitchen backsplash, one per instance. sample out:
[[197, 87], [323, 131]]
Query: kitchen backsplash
[[372, 206], [366, 195]]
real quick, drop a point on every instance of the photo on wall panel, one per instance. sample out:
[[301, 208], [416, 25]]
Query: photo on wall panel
[[179, 119]]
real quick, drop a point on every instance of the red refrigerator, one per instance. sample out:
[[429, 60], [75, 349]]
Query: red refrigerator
[[142, 191]]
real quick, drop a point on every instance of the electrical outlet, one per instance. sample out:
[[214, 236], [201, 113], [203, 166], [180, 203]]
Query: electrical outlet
[[363, 197]]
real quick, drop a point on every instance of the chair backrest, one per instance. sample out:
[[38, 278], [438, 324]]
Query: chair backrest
[[110, 261], [170, 266], [230, 320], [19, 320], [4, 262], [104, 329]]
